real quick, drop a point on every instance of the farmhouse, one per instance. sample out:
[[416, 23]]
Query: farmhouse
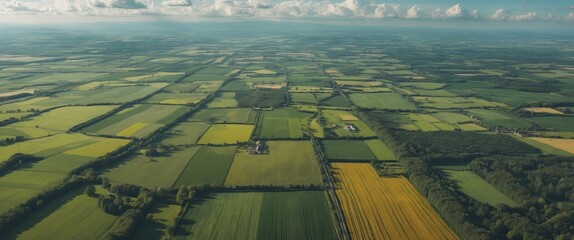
[[350, 127]]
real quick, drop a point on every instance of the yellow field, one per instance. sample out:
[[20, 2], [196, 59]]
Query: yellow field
[[227, 134], [128, 132], [154, 75], [543, 110], [562, 144], [99, 148], [348, 117], [385, 208]]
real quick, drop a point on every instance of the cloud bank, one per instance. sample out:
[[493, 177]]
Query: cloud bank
[[368, 9]]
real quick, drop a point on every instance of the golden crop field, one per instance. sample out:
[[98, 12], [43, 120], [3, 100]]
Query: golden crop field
[[544, 110], [562, 144], [385, 208]]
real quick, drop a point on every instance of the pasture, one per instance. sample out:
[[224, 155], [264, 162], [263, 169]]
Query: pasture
[[227, 134], [165, 169], [258, 215], [282, 123], [227, 115], [499, 118], [138, 121], [387, 101], [209, 165], [223, 100], [380, 150], [347, 150], [185, 133], [287, 163], [73, 216], [55, 121], [475, 187], [558, 123], [385, 208]]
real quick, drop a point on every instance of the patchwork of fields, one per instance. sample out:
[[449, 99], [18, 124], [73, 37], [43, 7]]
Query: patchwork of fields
[[218, 136]]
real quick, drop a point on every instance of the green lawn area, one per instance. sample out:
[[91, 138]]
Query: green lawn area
[[477, 188], [288, 162], [347, 150], [209, 165], [389, 101], [258, 215], [165, 169]]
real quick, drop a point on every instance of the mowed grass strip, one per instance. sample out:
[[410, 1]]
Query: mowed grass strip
[[227, 134], [209, 165], [152, 172], [385, 208], [475, 187], [287, 163], [347, 150], [77, 217]]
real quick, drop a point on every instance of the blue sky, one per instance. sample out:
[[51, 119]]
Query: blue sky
[[428, 10]]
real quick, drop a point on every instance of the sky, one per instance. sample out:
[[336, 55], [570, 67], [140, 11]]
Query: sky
[[556, 11]]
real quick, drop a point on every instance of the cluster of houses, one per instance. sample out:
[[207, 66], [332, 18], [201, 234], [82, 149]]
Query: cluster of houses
[[349, 127]]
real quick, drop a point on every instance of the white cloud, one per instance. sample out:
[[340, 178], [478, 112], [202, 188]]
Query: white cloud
[[123, 4], [17, 6], [415, 12], [177, 3], [500, 14], [570, 17], [524, 17], [456, 11]]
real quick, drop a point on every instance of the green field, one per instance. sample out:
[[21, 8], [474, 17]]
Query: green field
[[287, 163], [55, 121], [348, 150], [496, 118], [257, 215], [71, 216], [454, 118], [185, 133], [335, 121], [57, 144], [227, 115], [282, 123], [177, 98], [162, 217], [108, 95], [475, 187], [546, 149], [165, 169], [138, 121], [389, 101], [223, 100], [209, 165], [18, 186], [227, 134], [563, 124], [380, 150]]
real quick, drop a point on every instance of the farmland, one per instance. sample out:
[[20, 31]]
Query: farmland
[[394, 211], [138, 121], [287, 163], [257, 215], [272, 130], [226, 134], [477, 188]]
